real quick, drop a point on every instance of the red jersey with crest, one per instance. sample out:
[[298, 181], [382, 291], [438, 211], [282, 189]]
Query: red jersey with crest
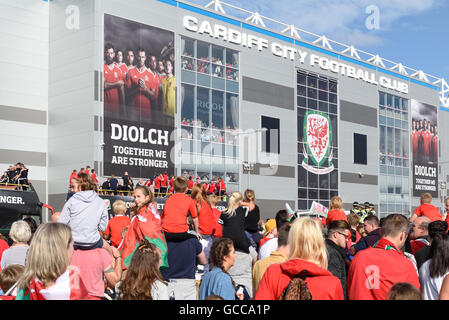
[[123, 67], [140, 102], [112, 96], [415, 142], [427, 137]]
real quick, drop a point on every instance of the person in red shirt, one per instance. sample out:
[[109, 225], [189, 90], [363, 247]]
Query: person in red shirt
[[148, 183], [212, 187], [218, 229], [140, 82], [206, 222], [375, 270], [116, 225], [427, 209], [420, 234], [221, 187], [94, 176], [170, 183], [114, 90], [176, 210], [73, 175], [427, 140], [336, 211], [308, 254], [157, 186], [189, 185], [435, 144], [164, 184], [414, 138], [120, 63]]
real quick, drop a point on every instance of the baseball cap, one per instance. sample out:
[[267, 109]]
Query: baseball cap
[[270, 225]]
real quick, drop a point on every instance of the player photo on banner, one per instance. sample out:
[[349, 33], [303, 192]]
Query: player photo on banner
[[139, 98], [424, 148]]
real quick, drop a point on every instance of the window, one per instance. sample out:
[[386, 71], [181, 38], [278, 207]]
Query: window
[[360, 149], [271, 137]]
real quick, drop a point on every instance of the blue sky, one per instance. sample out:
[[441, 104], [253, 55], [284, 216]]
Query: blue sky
[[412, 32]]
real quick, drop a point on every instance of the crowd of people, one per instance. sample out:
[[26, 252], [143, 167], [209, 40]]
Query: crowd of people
[[190, 250], [16, 175], [208, 133]]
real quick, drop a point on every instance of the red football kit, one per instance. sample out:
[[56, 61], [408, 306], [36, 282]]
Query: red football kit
[[140, 103], [112, 96]]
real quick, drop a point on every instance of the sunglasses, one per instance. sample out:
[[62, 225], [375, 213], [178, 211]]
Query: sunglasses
[[343, 234]]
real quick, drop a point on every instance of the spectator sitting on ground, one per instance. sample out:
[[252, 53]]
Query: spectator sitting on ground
[[8, 278], [337, 238], [390, 264], [374, 233], [420, 233], [278, 256], [404, 291], [436, 229], [282, 218], [117, 223], [20, 233], [427, 209]]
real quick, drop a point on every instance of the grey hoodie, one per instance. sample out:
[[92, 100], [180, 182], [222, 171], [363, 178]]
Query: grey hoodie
[[85, 213]]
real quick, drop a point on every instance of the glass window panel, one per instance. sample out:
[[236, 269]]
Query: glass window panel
[[332, 98], [301, 101], [312, 104], [398, 185], [188, 64], [324, 194], [232, 58], [187, 104], [217, 109], [334, 179], [217, 55], [383, 184], [397, 103], [332, 108], [334, 121], [323, 85], [389, 101], [390, 185], [232, 74], [312, 93], [405, 143], [302, 91], [323, 106], [312, 82], [390, 141], [203, 66], [382, 140], [202, 51], [232, 111], [323, 95], [302, 205], [302, 193], [333, 86], [203, 107], [405, 105], [312, 193], [313, 180], [217, 70], [397, 142], [405, 185], [382, 110], [188, 46], [333, 193], [324, 181], [381, 98], [301, 78], [302, 177]]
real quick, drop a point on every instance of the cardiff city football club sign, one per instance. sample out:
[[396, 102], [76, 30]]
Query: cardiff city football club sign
[[317, 143]]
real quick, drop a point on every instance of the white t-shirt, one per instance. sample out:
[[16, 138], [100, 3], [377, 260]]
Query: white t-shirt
[[267, 248], [430, 287]]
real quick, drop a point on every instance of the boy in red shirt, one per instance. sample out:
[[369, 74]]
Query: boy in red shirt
[[176, 210], [427, 209], [218, 230], [117, 224]]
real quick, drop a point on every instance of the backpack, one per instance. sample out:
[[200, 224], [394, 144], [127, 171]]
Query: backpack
[[297, 288]]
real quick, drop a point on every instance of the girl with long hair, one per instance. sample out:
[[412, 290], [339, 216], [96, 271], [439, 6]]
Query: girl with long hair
[[145, 224], [252, 217], [143, 279], [308, 255]]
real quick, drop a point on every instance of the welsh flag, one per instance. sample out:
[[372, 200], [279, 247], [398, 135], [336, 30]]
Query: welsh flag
[[68, 286], [145, 225]]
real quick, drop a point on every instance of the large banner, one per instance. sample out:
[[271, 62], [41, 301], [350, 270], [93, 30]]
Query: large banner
[[424, 148], [139, 98]]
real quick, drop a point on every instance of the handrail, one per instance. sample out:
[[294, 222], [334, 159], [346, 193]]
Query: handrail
[[14, 184]]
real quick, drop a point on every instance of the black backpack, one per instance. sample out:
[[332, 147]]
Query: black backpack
[[297, 288]]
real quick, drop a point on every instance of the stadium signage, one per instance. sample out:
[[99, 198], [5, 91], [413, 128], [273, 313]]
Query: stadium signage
[[280, 50]]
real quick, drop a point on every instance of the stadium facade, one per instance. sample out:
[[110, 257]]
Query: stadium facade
[[295, 116]]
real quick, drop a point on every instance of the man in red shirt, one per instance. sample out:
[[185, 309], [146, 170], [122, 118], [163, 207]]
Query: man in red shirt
[[221, 187], [414, 138], [94, 176], [176, 210], [156, 82], [189, 185], [375, 270], [114, 92], [427, 140], [141, 93], [157, 186], [164, 184], [435, 144], [73, 175], [427, 209], [120, 63], [129, 59], [172, 179]]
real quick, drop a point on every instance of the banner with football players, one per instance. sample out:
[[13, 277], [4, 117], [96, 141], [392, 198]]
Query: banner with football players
[[139, 98], [424, 148]]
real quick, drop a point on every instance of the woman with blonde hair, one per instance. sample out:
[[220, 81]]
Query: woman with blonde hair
[[308, 259], [252, 217], [233, 218], [336, 211], [47, 274]]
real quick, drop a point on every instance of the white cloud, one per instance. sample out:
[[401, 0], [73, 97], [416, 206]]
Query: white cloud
[[339, 20]]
